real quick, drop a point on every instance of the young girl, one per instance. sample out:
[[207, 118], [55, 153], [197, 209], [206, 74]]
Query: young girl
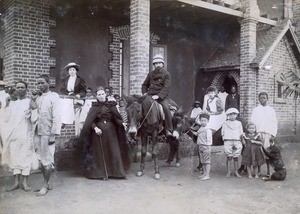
[[252, 154]]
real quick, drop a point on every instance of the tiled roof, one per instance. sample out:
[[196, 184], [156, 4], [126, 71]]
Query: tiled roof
[[228, 55], [265, 39]]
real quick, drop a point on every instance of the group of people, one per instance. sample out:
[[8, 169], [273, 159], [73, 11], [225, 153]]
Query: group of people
[[253, 144], [34, 123], [28, 132]]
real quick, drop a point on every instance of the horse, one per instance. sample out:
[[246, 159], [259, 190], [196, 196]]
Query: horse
[[144, 119], [174, 141], [184, 125]]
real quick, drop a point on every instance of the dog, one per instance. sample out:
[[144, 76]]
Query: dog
[[275, 160]]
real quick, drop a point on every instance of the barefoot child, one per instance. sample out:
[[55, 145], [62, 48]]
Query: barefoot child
[[204, 142], [231, 132], [252, 154]]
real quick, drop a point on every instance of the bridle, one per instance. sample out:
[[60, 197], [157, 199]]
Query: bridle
[[144, 119]]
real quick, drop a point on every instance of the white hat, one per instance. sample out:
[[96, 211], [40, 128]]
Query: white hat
[[158, 58], [232, 110], [72, 64], [2, 82]]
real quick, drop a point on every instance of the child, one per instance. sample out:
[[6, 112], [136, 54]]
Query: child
[[252, 154], [231, 132], [204, 142]]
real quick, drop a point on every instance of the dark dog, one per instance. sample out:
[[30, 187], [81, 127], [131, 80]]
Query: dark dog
[[275, 160]]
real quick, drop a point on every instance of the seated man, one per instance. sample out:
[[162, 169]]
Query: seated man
[[157, 84]]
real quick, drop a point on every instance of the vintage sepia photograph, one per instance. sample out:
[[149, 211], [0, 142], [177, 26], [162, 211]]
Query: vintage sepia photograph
[[149, 106]]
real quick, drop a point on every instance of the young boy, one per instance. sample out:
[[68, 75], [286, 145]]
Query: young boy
[[265, 119], [204, 142], [232, 131]]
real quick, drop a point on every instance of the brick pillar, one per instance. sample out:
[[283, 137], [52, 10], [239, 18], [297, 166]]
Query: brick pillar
[[139, 43], [248, 53], [27, 40], [296, 17]]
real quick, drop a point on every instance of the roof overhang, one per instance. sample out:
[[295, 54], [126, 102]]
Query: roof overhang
[[288, 27], [226, 10], [222, 68]]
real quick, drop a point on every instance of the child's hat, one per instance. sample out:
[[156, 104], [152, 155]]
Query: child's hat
[[232, 110], [203, 115]]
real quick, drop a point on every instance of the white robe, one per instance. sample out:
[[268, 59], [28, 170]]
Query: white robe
[[18, 150], [264, 117]]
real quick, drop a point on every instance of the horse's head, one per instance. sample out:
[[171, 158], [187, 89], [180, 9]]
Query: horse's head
[[143, 113], [181, 124], [134, 114]]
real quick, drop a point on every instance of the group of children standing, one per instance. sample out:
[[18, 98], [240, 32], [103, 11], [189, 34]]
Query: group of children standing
[[236, 142]]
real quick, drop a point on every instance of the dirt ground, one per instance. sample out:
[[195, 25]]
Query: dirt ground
[[178, 191]]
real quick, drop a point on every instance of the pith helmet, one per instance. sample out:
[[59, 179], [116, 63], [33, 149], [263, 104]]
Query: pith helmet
[[158, 58]]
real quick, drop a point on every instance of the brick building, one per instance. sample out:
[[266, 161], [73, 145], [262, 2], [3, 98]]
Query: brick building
[[250, 42]]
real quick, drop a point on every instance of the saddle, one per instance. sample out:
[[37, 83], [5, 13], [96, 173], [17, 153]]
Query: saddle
[[161, 114]]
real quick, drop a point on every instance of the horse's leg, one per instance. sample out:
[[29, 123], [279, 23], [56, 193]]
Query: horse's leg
[[154, 155], [171, 153], [143, 155], [177, 152], [268, 168]]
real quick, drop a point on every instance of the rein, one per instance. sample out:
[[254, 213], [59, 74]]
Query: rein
[[146, 116]]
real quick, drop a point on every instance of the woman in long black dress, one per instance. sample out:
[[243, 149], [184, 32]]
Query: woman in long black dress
[[104, 140]]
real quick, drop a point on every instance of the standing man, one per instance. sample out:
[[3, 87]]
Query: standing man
[[3, 97], [232, 99], [157, 84], [48, 126], [18, 151], [264, 117]]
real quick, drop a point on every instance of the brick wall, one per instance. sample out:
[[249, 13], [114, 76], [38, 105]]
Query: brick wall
[[139, 42], [27, 41], [247, 74], [296, 16], [118, 35], [282, 59]]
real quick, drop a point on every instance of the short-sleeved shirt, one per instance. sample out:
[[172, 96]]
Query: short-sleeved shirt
[[204, 136], [232, 130]]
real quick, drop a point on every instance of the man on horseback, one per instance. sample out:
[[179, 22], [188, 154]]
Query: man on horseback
[[157, 84]]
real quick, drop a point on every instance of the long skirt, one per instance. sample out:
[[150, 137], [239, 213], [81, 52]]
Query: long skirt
[[104, 156], [67, 112]]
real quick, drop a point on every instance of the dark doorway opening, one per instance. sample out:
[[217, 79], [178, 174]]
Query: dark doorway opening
[[229, 81]]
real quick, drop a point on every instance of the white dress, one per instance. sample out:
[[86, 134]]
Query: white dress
[[215, 121]]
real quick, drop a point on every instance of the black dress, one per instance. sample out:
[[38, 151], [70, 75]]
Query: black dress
[[252, 154], [106, 155]]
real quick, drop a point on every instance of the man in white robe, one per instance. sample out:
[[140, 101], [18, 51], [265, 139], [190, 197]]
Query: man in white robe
[[264, 117], [19, 150], [3, 97]]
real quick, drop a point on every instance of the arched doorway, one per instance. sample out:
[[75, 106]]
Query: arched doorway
[[227, 80]]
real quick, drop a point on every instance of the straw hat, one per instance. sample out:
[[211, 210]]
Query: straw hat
[[72, 64]]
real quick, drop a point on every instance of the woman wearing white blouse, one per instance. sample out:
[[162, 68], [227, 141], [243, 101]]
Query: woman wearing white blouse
[[75, 86]]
